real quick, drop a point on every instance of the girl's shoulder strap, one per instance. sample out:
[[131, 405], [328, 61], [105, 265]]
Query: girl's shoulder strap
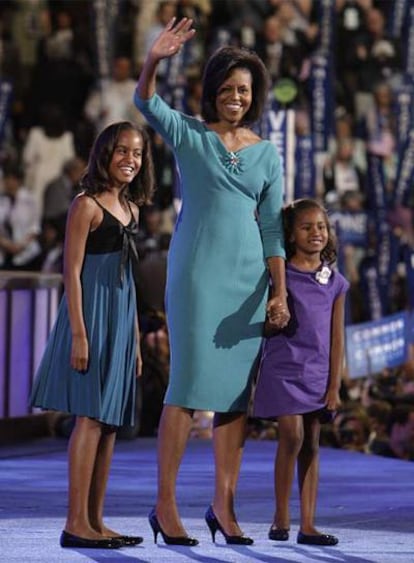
[[96, 201], [129, 201]]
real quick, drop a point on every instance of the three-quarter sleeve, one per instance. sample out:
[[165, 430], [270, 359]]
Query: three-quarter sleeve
[[270, 213]]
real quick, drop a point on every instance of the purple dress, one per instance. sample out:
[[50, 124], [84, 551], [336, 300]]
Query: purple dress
[[294, 368]]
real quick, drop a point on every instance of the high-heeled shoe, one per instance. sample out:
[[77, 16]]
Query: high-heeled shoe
[[215, 525], [169, 540]]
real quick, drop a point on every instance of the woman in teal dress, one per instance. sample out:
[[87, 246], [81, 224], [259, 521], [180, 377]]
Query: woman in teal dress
[[227, 239]]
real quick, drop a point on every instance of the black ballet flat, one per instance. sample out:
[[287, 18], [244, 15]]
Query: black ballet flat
[[317, 539], [69, 540], [278, 534], [129, 540], [215, 525], [169, 540]]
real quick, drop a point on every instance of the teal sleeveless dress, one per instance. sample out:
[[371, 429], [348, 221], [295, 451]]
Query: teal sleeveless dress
[[106, 391], [217, 280]]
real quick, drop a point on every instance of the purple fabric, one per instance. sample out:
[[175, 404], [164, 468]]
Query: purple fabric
[[294, 367]]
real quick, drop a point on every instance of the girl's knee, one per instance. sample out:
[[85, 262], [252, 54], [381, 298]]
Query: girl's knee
[[291, 441]]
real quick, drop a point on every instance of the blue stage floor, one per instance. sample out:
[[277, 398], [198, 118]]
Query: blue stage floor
[[367, 501]]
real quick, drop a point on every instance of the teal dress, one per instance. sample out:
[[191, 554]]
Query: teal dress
[[217, 281], [106, 391]]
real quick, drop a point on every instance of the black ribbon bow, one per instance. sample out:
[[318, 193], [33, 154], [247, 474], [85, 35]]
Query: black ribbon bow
[[129, 249]]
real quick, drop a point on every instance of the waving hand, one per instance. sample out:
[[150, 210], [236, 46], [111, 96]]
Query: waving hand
[[172, 38]]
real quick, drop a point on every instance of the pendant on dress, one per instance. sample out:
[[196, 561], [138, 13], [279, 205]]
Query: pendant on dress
[[232, 162]]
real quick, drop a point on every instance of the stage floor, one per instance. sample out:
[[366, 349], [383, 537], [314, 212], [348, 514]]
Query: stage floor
[[367, 501]]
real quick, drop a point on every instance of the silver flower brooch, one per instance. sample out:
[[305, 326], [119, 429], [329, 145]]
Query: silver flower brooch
[[322, 276]]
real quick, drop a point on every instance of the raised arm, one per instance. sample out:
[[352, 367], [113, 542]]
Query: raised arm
[[167, 44]]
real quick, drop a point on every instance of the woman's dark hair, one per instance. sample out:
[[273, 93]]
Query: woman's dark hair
[[96, 178], [218, 68], [290, 215]]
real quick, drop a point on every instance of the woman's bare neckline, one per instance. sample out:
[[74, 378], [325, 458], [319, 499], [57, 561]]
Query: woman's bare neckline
[[240, 138]]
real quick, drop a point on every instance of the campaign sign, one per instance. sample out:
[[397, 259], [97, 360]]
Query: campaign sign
[[375, 345], [352, 227]]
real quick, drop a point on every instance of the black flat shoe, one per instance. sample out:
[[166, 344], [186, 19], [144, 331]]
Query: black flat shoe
[[215, 525], [317, 539], [169, 540], [69, 540], [129, 540], [278, 534]]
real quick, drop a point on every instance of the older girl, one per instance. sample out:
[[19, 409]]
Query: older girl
[[93, 356]]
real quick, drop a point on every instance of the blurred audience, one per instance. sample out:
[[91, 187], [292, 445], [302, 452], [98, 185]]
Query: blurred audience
[[19, 222]]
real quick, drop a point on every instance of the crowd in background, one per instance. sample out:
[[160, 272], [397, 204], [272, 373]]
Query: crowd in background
[[55, 99]]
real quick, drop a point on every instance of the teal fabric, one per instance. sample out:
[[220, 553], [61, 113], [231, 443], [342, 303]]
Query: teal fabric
[[106, 391], [217, 279]]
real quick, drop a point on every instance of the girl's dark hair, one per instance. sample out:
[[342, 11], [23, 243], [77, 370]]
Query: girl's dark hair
[[221, 63], [96, 178], [290, 215]]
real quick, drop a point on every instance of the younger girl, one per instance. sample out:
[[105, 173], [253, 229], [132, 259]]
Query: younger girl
[[93, 357], [301, 365]]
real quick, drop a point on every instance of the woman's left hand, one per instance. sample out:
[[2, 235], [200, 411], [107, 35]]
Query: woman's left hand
[[277, 312]]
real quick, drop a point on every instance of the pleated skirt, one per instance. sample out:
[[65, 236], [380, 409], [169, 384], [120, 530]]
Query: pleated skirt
[[106, 391]]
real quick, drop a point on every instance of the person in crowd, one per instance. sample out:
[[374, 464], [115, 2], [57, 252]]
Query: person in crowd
[[155, 370], [64, 68], [341, 174], [151, 277], [229, 228], [354, 431], [301, 365], [269, 45], [400, 443], [150, 231], [350, 25], [376, 58], [46, 150], [60, 192], [114, 102], [378, 412], [19, 222], [52, 241], [379, 130], [92, 358]]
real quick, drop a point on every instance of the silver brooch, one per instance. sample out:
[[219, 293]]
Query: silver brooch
[[322, 276], [232, 162]]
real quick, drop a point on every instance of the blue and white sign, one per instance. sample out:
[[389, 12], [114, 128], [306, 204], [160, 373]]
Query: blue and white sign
[[373, 346], [352, 227]]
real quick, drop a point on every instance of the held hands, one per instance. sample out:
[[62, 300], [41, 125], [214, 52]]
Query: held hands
[[172, 38], [80, 353], [277, 312]]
